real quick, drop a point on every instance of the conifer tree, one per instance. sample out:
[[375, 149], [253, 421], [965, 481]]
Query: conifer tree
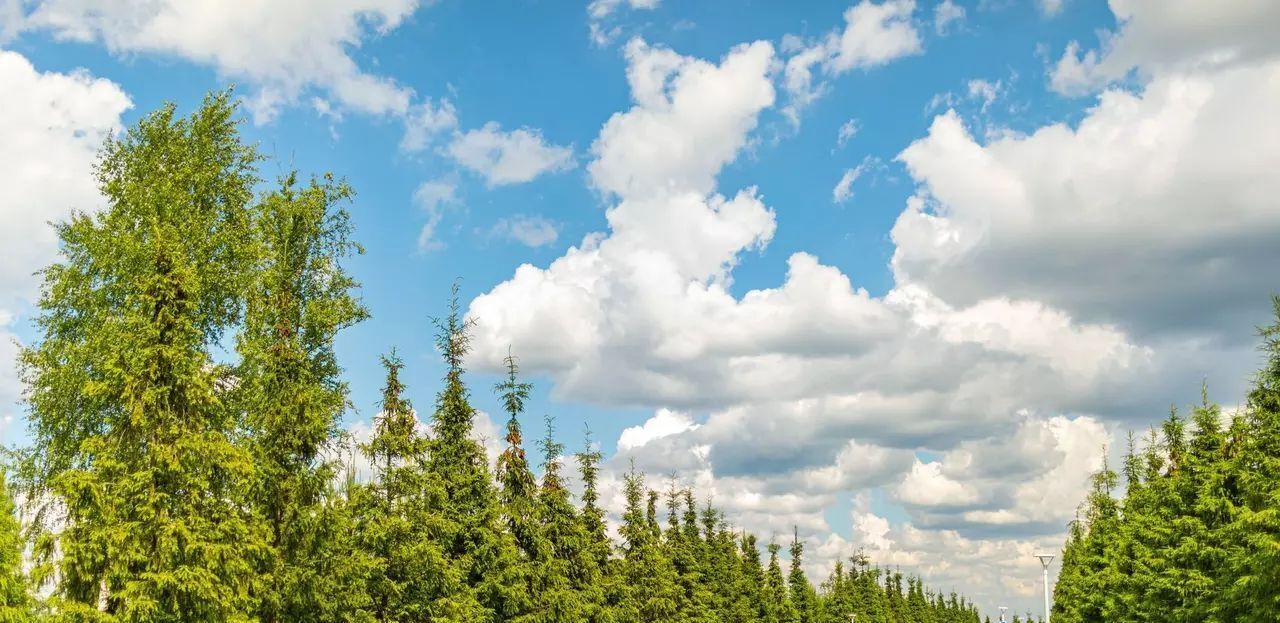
[[16, 603], [1256, 569], [128, 409], [475, 540], [401, 524], [289, 388], [570, 578], [647, 579], [803, 600], [778, 608]]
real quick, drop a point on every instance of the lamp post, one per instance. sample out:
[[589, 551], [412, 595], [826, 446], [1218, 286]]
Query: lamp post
[[1045, 559], [1003, 609]]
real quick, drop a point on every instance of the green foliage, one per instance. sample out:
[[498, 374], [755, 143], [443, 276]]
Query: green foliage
[[173, 485], [1197, 536], [129, 411]]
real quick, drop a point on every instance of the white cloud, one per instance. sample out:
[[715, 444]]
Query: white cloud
[[53, 126], [1153, 194], [926, 485], [1176, 35], [844, 188], [1051, 7], [426, 121], [874, 35], [433, 197], [664, 423], [847, 131], [511, 157], [284, 48], [602, 29], [531, 231], [986, 91], [947, 14]]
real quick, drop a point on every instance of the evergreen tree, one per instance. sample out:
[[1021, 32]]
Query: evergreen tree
[[648, 582], [778, 608], [1252, 595], [133, 435], [571, 581], [803, 600], [290, 392], [16, 603], [485, 554], [401, 524]]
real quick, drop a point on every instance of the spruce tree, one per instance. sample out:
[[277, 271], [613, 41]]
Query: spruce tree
[[570, 578], [290, 391], [16, 603], [485, 553], [132, 432], [401, 522], [647, 580], [803, 601], [1256, 568]]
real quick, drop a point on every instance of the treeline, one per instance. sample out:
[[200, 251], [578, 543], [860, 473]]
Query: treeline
[[1196, 535], [166, 484]]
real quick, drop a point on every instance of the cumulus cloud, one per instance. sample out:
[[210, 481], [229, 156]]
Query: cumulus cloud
[[283, 48], [511, 157], [874, 34], [1178, 35], [53, 125], [1152, 195]]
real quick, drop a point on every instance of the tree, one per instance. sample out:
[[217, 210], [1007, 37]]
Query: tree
[[129, 411], [475, 540], [570, 575], [647, 579], [16, 603], [290, 391], [803, 600], [401, 522]]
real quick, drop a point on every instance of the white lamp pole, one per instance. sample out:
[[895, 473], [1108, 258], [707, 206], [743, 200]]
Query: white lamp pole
[[1003, 609], [1045, 559]]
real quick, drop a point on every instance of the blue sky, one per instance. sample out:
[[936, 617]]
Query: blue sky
[[969, 260]]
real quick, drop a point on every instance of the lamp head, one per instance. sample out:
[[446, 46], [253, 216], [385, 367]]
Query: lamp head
[[1045, 559]]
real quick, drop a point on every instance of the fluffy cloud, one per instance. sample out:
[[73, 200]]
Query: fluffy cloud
[[874, 34], [1036, 305], [426, 121], [53, 125], [844, 188], [508, 157], [1177, 35], [1153, 195], [284, 48]]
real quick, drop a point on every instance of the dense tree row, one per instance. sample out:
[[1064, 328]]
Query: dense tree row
[[1196, 535], [166, 484]]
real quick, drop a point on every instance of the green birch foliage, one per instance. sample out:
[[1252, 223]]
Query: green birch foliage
[[16, 603], [128, 409], [476, 542], [290, 388]]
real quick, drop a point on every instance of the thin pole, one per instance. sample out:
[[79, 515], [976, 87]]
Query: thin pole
[[1046, 592], [1045, 559]]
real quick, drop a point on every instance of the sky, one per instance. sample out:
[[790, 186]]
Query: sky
[[896, 274]]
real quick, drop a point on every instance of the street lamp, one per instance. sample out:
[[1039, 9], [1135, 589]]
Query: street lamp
[[1003, 609], [1045, 559]]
